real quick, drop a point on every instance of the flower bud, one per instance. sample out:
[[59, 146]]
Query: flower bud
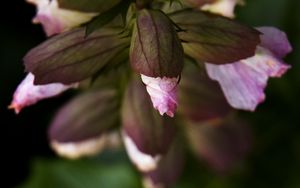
[[156, 50], [28, 94], [163, 93]]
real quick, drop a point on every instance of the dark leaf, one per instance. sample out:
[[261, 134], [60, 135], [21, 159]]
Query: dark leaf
[[71, 57], [197, 3], [155, 48], [151, 132], [88, 5], [169, 167], [107, 16], [86, 117], [222, 144], [215, 39], [200, 98]]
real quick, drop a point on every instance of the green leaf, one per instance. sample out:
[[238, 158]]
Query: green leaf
[[151, 132], [107, 16], [155, 48], [86, 117], [198, 3], [215, 39], [71, 57], [81, 174], [88, 5]]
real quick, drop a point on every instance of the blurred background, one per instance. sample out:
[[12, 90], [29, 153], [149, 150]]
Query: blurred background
[[28, 162]]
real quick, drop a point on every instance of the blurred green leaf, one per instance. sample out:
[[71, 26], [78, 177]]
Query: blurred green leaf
[[81, 174]]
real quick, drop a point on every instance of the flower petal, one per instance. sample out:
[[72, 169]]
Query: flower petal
[[275, 40], [163, 93], [56, 20], [243, 82], [28, 94], [222, 7], [147, 135], [143, 161]]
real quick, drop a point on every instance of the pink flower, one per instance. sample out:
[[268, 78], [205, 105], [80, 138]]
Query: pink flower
[[28, 94], [56, 20], [163, 93], [243, 82]]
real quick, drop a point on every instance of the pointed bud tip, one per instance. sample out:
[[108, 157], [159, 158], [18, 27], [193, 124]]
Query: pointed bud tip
[[15, 107]]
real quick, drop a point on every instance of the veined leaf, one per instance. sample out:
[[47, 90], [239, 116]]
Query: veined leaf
[[86, 117], [215, 39], [155, 48], [107, 16], [72, 57]]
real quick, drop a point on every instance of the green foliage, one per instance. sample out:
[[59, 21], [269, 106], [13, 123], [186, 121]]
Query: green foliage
[[81, 174], [97, 6], [107, 16]]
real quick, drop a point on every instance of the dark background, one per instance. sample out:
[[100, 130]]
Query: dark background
[[274, 161]]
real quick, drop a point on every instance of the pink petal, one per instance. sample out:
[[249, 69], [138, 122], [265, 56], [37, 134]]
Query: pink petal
[[275, 40], [28, 94], [163, 93], [56, 20], [243, 82]]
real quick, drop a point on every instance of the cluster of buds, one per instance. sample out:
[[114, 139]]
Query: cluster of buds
[[147, 69]]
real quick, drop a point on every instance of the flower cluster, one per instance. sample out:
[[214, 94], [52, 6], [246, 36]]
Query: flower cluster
[[133, 59]]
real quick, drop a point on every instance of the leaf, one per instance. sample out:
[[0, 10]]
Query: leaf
[[71, 57], [215, 39], [107, 16], [200, 98], [198, 3], [169, 167], [86, 117], [222, 144], [152, 133], [155, 48], [81, 174], [88, 5]]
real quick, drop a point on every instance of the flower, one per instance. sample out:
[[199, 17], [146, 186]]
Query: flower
[[28, 94], [243, 82], [163, 93], [56, 20], [222, 7]]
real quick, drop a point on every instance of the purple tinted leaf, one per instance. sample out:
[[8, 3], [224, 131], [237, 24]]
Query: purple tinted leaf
[[72, 57], [169, 167], [214, 39], [200, 98], [221, 144], [155, 48], [151, 132], [86, 117]]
